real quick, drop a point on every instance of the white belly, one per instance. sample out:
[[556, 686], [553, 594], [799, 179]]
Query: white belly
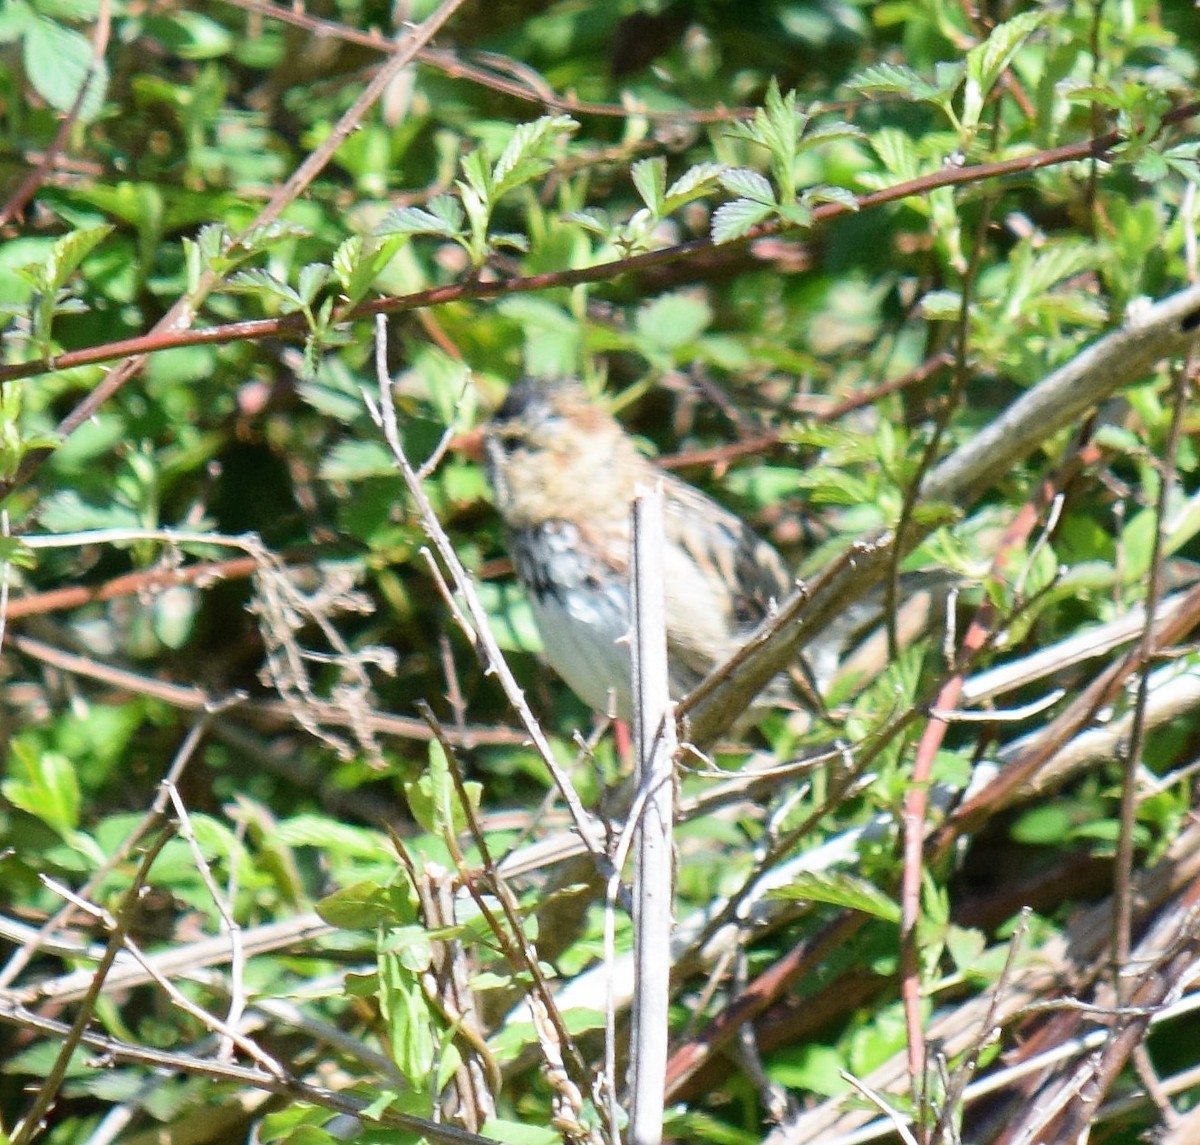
[[585, 634]]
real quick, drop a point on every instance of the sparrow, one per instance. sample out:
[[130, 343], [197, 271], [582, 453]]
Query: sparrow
[[564, 472]]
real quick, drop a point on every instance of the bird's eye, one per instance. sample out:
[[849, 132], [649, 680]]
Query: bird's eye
[[510, 443]]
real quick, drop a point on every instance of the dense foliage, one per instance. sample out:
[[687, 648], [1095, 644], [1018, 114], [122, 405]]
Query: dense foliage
[[278, 859]]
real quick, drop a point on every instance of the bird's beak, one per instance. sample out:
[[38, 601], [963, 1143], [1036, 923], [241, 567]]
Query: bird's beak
[[470, 445]]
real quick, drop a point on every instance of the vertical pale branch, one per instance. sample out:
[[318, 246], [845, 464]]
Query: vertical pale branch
[[654, 747]]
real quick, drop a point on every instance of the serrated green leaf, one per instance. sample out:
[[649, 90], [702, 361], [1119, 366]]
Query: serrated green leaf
[[733, 220], [840, 889], [213, 240], [263, 284], [347, 259], [43, 784], [58, 62], [592, 220], [312, 279], [825, 194], [262, 238], [748, 184], [510, 240], [477, 174], [525, 156], [889, 79], [650, 178], [897, 152], [1058, 261], [829, 133], [417, 221], [67, 253], [692, 184], [987, 62], [830, 488]]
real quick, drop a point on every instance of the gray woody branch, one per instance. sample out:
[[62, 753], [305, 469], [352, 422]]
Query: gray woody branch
[[1162, 330]]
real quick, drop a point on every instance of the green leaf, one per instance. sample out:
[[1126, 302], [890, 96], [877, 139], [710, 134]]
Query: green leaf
[[830, 133], [650, 179], [592, 220], [897, 152], [59, 63], [263, 284], [840, 889], [312, 280], [334, 838], [67, 512], [433, 799], [446, 221], [64, 258], [15, 20], [527, 153], [1151, 167], [748, 184], [191, 35], [890, 79], [351, 460], [987, 62], [263, 238], [43, 784], [777, 126], [14, 551], [519, 1133], [942, 305], [407, 1019], [673, 320], [733, 220], [413, 945], [367, 905], [692, 184], [477, 175], [824, 194]]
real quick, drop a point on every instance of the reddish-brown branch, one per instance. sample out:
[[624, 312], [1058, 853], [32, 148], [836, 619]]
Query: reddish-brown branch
[[1022, 770], [761, 993], [534, 90], [915, 376], [292, 325], [178, 320], [131, 584]]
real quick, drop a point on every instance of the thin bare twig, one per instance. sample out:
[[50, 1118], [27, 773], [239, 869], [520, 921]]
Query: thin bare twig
[[1123, 873], [74, 1036], [383, 413], [1167, 328]]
